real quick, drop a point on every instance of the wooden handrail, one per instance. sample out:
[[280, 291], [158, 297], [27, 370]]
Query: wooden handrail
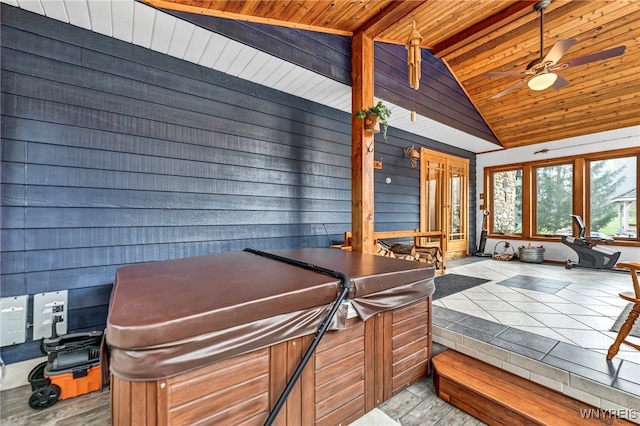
[[407, 233]]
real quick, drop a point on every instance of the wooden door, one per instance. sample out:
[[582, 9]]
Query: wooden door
[[444, 200]]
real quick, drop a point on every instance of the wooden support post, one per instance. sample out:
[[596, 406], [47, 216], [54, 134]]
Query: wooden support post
[[361, 146]]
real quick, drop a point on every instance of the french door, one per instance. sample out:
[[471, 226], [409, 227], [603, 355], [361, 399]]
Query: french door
[[444, 200]]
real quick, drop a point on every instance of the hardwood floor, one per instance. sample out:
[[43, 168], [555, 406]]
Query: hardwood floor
[[85, 410], [418, 405]]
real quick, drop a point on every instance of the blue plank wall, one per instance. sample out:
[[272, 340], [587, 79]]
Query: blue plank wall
[[440, 97], [113, 154]]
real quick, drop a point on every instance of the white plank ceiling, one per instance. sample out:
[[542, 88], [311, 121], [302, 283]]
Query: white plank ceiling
[[142, 25]]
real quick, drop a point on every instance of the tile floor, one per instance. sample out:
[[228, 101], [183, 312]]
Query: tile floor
[[575, 306]]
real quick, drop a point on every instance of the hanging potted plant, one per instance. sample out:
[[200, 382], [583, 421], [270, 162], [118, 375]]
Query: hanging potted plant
[[375, 117]]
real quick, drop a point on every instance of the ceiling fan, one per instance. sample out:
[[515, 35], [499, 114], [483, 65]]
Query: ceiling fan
[[542, 69]]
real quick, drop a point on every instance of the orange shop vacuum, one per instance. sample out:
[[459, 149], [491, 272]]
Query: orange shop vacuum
[[72, 367]]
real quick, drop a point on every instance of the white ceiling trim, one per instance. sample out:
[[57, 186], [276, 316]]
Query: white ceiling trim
[[137, 23]]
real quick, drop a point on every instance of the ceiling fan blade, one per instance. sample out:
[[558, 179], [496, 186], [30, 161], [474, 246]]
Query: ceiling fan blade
[[509, 89], [504, 73], [559, 83], [560, 48], [598, 56]]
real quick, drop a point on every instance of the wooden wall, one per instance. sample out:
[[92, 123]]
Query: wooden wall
[[113, 154]]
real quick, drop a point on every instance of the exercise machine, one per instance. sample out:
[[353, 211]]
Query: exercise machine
[[590, 255]]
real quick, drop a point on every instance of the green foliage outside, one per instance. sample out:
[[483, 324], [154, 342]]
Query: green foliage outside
[[604, 187], [554, 197]]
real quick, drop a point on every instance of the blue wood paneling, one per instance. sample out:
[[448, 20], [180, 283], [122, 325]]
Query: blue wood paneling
[[397, 205], [113, 154], [326, 54], [439, 98]]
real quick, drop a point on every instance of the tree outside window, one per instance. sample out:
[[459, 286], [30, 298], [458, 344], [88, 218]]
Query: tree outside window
[[613, 198], [554, 202], [536, 199]]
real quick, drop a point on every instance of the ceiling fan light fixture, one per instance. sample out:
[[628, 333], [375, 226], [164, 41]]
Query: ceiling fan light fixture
[[542, 81]]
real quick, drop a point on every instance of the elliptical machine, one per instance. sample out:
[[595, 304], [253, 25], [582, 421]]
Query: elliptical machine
[[590, 255]]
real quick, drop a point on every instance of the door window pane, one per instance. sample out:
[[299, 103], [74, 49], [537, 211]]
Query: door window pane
[[554, 203], [455, 221], [613, 210], [433, 195]]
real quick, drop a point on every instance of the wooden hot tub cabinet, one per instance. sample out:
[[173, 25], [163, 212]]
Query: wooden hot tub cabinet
[[353, 369]]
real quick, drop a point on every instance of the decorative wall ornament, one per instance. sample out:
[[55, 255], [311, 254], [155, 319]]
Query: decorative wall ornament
[[412, 153], [414, 57]]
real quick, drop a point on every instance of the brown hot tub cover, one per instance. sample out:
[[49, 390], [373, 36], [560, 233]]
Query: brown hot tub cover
[[173, 316]]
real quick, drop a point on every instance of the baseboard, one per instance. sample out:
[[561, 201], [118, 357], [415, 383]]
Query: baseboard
[[17, 374]]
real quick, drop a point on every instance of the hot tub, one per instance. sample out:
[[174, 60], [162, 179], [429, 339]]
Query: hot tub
[[215, 339]]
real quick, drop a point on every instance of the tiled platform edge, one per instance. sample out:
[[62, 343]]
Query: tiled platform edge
[[585, 375]]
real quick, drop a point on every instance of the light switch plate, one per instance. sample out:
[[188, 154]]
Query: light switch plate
[[44, 307], [13, 320]]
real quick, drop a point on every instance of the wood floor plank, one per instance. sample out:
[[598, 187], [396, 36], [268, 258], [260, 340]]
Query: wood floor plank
[[85, 410]]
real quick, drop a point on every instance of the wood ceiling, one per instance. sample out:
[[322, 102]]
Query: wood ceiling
[[480, 36]]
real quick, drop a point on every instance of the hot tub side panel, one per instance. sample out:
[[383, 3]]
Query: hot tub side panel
[[351, 372], [339, 376], [410, 345]]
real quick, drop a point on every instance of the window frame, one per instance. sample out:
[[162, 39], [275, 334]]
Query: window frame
[[580, 197], [534, 196], [491, 199]]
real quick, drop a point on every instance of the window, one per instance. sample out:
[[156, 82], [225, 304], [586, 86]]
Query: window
[[612, 206], [553, 200], [507, 202], [535, 200]]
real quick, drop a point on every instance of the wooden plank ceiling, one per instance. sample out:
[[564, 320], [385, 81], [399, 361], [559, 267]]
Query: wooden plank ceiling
[[480, 36]]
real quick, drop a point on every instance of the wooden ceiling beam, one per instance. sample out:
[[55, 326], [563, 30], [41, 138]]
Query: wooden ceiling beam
[[387, 17], [507, 15], [197, 10]]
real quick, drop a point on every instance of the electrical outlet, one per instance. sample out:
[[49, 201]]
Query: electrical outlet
[[45, 307]]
